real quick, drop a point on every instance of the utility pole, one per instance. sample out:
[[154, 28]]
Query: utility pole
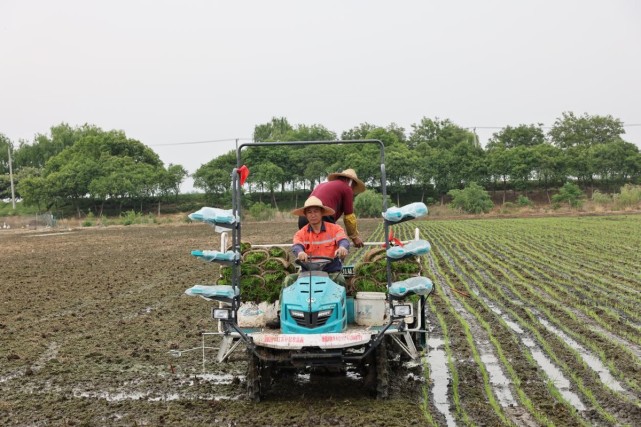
[[13, 194]]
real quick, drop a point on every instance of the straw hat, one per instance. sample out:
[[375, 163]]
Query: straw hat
[[359, 186], [313, 201]]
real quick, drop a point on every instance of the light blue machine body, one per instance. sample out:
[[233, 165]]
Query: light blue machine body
[[314, 304]]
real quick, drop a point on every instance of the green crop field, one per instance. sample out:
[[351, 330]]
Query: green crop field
[[551, 303]]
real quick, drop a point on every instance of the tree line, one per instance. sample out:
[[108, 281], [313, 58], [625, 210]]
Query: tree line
[[71, 166], [437, 156]]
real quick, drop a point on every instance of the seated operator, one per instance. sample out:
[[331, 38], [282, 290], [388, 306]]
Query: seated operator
[[319, 238]]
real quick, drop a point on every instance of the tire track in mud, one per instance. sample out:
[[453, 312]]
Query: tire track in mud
[[50, 353]]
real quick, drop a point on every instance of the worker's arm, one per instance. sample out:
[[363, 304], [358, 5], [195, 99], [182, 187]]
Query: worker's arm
[[352, 229], [299, 252], [343, 247]]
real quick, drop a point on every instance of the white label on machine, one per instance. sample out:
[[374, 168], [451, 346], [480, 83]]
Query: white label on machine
[[298, 341]]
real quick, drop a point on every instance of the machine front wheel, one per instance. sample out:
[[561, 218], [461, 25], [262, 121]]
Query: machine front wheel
[[382, 371], [376, 372], [253, 377]]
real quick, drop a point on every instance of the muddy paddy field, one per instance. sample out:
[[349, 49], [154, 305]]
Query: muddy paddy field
[[534, 322]]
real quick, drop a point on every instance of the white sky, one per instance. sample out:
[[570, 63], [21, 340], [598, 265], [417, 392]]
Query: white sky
[[167, 72]]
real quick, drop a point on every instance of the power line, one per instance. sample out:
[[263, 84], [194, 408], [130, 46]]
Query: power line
[[208, 141]]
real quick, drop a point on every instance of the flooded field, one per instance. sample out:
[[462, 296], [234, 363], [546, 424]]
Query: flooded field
[[534, 322]]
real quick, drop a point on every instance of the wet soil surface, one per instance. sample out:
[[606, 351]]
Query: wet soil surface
[[88, 318]]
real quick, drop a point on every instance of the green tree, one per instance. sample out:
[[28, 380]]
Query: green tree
[[171, 179], [440, 134], [468, 163], [45, 147], [425, 169], [444, 164], [214, 177], [472, 199], [499, 161], [314, 132], [570, 193], [615, 163], [5, 179], [390, 135], [99, 164], [572, 131], [401, 166], [314, 172], [5, 145], [269, 175], [580, 164], [369, 204], [519, 136], [549, 166], [522, 167], [275, 130]]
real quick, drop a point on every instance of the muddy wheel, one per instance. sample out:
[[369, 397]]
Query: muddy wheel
[[253, 377], [266, 376], [376, 372], [382, 371], [395, 356]]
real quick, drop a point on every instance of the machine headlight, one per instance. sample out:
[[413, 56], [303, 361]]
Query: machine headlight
[[402, 310], [296, 313], [220, 313], [325, 313]]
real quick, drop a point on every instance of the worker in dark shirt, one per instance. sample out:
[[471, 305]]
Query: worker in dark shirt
[[338, 194]]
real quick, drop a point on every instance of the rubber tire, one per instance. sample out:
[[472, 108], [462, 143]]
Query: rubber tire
[[254, 392], [382, 371], [266, 375]]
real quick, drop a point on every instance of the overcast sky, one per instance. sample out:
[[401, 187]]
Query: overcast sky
[[168, 72]]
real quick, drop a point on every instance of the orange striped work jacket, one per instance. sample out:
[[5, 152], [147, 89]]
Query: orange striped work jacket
[[325, 243]]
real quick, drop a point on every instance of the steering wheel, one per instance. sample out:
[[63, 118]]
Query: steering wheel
[[315, 262]]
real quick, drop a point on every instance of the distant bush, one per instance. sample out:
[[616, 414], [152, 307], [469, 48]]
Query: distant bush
[[6, 209], [472, 199], [571, 194], [131, 217], [369, 204], [105, 222], [88, 222], [524, 202], [262, 212], [630, 196], [601, 198]]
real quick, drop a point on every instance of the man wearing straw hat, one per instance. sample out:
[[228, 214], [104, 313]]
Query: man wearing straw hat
[[319, 238], [338, 194]]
